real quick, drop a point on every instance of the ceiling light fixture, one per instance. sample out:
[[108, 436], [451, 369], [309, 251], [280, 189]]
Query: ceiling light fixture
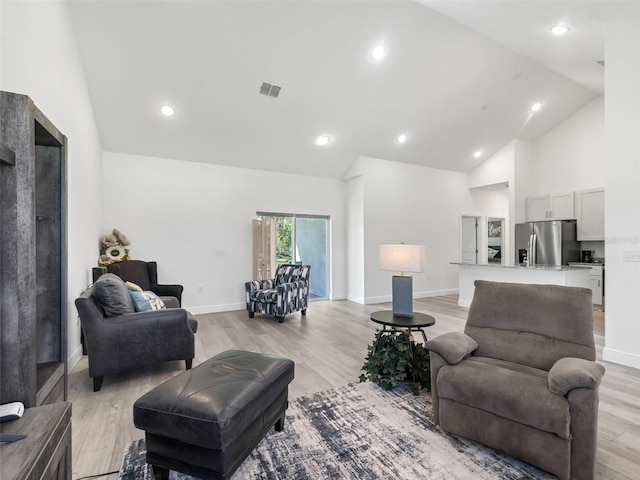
[[536, 106], [378, 52], [167, 110], [402, 138], [477, 154], [323, 140], [559, 29]]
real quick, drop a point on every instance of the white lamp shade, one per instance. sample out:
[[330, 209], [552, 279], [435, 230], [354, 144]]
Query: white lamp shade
[[402, 258]]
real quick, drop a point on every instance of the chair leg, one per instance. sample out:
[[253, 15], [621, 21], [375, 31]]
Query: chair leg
[[160, 473], [97, 383], [304, 311], [84, 345], [188, 362], [279, 424], [280, 319], [251, 314]]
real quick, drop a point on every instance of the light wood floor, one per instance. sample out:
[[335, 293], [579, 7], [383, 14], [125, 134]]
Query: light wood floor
[[328, 347]]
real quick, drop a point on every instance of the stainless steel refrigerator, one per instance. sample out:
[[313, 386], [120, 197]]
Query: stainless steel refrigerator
[[547, 243]]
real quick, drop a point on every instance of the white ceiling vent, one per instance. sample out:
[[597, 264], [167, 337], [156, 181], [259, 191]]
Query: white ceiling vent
[[270, 90]]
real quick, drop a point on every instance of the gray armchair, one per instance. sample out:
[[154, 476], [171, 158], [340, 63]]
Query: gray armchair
[[118, 338], [522, 377], [145, 274]]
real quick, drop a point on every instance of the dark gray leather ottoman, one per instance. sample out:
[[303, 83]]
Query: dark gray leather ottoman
[[205, 421]]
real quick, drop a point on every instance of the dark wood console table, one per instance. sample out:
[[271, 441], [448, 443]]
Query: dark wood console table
[[46, 452]]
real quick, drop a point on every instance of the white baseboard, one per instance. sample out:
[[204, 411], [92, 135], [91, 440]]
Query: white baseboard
[[623, 358], [338, 296], [380, 299], [74, 358], [224, 307], [435, 293], [464, 303], [424, 294], [356, 299]]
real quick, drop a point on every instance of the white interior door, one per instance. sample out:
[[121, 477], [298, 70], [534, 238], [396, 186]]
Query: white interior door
[[469, 239]]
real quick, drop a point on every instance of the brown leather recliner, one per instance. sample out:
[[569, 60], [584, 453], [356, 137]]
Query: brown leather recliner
[[522, 377]]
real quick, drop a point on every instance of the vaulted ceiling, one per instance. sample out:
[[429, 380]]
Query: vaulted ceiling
[[457, 77]]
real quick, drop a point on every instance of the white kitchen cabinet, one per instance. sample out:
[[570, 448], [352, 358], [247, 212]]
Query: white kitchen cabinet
[[596, 281], [590, 214], [596, 284], [558, 206], [562, 206], [537, 208]]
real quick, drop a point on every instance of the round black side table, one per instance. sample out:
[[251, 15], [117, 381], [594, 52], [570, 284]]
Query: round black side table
[[393, 323]]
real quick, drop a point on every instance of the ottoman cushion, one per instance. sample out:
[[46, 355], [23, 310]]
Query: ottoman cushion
[[215, 402]]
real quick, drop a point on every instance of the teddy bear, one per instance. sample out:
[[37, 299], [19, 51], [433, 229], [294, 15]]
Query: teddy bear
[[113, 248]]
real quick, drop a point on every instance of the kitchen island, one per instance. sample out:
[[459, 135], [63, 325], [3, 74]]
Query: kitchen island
[[540, 274]]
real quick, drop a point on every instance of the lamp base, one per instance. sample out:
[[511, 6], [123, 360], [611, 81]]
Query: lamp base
[[402, 295]]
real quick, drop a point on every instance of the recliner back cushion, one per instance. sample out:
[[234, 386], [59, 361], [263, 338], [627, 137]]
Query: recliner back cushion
[[533, 325], [112, 295]]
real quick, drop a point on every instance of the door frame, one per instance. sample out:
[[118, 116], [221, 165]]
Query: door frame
[[328, 256], [479, 222]]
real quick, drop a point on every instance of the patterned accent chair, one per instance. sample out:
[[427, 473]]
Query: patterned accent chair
[[288, 292]]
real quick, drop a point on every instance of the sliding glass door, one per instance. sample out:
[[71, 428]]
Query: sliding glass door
[[304, 239]]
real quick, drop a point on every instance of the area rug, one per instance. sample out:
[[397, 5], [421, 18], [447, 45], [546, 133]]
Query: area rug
[[360, 432]]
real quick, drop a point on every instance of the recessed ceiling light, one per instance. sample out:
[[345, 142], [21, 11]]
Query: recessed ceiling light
[[323, 140], [477, 154], [167, 110], [559, 29], [402, 138], [378, 52], [536, 106]]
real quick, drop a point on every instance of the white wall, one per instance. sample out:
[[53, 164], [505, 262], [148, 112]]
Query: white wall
[[39, 58], [499, 169], [354, 200], [622, 192], [194, 219], [415, 205], [571, 156], [496, 169]]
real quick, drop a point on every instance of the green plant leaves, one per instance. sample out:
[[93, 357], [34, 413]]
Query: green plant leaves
[[395, 358]]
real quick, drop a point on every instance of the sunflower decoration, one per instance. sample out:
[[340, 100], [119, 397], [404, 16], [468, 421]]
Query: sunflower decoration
[[113, 248]]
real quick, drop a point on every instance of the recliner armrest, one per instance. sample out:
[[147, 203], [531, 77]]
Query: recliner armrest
[[453, 346], [570, 373]]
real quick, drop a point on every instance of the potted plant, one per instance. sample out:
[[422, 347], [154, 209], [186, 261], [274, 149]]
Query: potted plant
[[393, 358]]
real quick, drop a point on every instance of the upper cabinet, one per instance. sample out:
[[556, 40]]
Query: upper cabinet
[[559, 206], [590, 214]]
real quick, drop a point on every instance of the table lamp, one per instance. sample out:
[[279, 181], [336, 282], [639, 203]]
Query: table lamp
[[402, 258]]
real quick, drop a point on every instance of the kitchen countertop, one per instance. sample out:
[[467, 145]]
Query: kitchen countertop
[[562, 268], [468, 273]]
